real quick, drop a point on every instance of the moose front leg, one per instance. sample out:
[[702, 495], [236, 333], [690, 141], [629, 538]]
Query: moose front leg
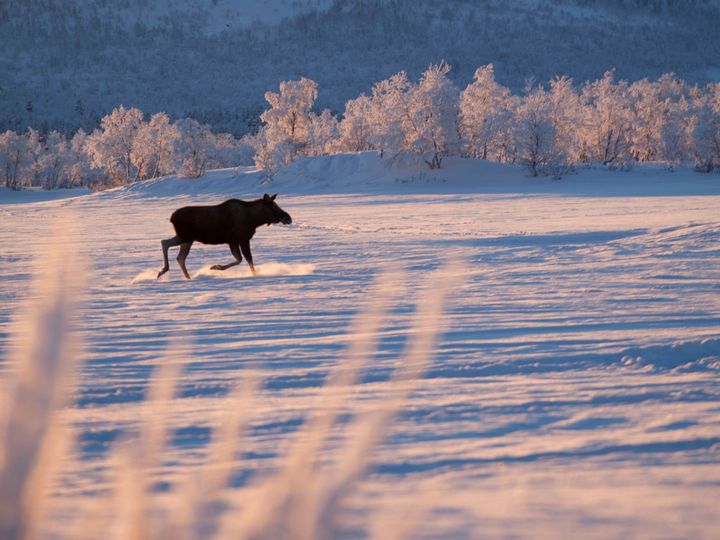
[[245, 247], [235, 250], [167, 244], [184, 250]]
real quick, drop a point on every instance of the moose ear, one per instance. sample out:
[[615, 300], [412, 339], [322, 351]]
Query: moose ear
[[266, 197], [272, 198]]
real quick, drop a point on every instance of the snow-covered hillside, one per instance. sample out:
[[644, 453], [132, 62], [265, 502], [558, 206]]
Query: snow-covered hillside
[[66, 64], [573, 395], [227, 14]]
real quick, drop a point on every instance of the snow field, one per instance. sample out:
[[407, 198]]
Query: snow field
[[574, 393]]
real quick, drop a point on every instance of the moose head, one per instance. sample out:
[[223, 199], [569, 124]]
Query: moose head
[[277, 214]]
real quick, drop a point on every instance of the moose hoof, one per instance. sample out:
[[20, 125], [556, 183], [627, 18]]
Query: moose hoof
[[161, 272], [216, 267]]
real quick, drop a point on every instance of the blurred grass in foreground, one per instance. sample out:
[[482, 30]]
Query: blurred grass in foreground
[[301, 499]]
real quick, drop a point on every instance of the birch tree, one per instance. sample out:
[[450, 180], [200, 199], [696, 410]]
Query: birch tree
[[13, 157], [153, 150], [285, 131], [431, 127], [486, 110], [112, 146]]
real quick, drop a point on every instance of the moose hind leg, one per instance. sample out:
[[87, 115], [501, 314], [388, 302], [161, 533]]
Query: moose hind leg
[[167, 244], [238, 259], [184, 250]]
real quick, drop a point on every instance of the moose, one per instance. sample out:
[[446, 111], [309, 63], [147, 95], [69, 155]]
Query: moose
[[233, 223]]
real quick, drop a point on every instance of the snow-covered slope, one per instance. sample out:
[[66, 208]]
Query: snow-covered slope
[[205, 60], [367, 172], [574, 395], [9, 196]]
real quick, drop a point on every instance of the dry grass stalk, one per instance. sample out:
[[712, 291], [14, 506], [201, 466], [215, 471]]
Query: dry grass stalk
[[43, 365], [301, 501]]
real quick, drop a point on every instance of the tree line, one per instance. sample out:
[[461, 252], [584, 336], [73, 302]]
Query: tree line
[[124, 149], [548, 129]]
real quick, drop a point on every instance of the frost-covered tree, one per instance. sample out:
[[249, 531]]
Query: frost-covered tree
[[486, 109], [35, 146], [388, 112], [272, 154], [81, 170], [662, 120], [111, 147], [706, 130], [285, 131], [534, 134], [675, 119], [676, 131], [224, 151], [431, 122], [54, 162], [13, 157], [33, 159], [567, 118], [355, 126], [323, 133], [606, 132], [153, 151], [193, 149], [645, 135]]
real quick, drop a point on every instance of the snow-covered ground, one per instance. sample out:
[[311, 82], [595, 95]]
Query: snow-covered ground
[[575, 394], [24, 196]]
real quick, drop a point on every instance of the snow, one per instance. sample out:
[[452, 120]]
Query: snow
[[9, 196], [573, 395]]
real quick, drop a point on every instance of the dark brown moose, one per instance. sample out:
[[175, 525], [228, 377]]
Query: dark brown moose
[[232, 222]]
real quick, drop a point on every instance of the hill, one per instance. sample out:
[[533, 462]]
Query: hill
[[66, 64]]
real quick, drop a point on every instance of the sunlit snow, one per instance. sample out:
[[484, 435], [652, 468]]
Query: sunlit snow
[[574, 394]]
